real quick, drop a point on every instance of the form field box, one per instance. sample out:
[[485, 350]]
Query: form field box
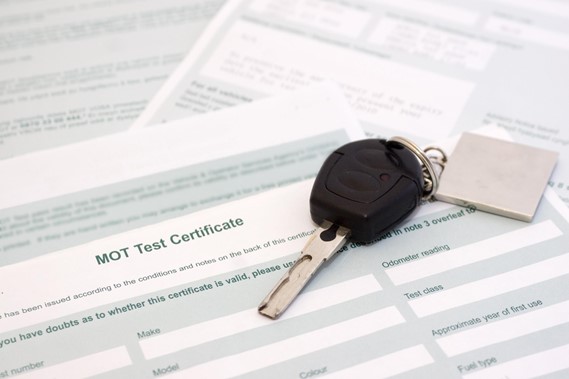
[[475, 252], [294, 347], [387, 365], [334, 18], [553, 8], [504, 330], [529, 33], [493, 286], [250, 319], [434, 9], [531, 366], [86, 366]]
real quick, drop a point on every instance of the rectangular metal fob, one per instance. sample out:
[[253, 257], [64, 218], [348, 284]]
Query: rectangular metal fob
[[496, 176]]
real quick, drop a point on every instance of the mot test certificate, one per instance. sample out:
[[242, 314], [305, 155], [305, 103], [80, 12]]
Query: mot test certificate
[[121, 182], [452, 292]]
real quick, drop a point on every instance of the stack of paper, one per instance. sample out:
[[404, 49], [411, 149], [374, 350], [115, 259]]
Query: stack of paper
[[150, 201]]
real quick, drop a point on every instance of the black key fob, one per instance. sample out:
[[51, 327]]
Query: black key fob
[[367, 187]]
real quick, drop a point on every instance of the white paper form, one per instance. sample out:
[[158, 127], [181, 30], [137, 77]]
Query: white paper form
[[67, 196], [451, 292], [425, 70], [71, 70]]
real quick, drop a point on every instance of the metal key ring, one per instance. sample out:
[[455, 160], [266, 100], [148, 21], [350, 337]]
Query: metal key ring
[[431, 174]]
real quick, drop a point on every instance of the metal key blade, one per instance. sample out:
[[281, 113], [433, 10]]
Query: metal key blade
[[325, 242]]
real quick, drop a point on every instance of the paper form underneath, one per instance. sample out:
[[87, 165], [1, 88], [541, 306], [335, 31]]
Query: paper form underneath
[[209, 281], [97, 188], [423, 69]]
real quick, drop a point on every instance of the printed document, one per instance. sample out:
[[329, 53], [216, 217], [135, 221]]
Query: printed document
[[451, 293], [63, 197], [422, 69], [72, 70]]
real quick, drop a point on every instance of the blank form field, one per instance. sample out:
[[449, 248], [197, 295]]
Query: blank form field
[[505, 330], [476, 252], [388, 365], [530, 33], [334, 18], [554, 8], [250, 319], [449, 13], [89, 365], [531, 366], [294, 347], [433, 43], [493, 286]]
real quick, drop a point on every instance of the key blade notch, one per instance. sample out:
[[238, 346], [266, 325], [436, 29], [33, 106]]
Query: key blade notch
[[319, 248], [277, 300]]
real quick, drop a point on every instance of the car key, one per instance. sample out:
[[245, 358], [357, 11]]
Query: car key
[[363, 189]]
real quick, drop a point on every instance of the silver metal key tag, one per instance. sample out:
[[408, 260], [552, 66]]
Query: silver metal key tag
[[496, 176]]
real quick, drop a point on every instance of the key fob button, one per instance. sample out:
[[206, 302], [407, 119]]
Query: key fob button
[[371, 158], [356, 186]]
